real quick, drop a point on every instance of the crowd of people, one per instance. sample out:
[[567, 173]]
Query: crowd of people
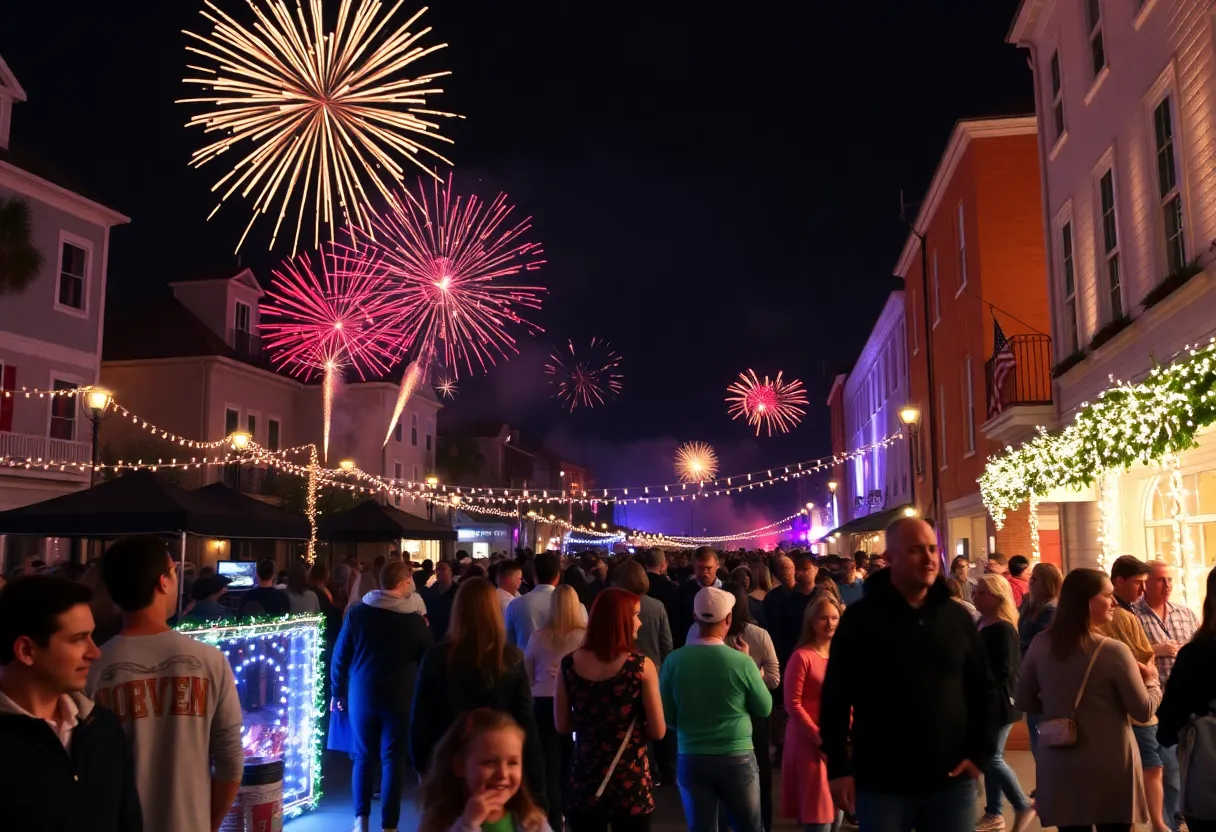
[[544, 692]]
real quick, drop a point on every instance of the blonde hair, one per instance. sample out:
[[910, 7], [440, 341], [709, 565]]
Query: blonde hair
[[997, 585], [813, 611], [444, 792], [1044, 588], [565, 615]]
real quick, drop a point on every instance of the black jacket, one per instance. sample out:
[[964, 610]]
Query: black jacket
[[1189, 691], [444, 691], [43, 788], [439, 609], [681, 614], [376, 658], [1005, 662], [916, 686]]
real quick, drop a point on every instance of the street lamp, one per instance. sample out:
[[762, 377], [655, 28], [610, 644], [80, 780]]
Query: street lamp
[[909, 414], [96, 406], [432, 481], [239, 440], [347, 465]]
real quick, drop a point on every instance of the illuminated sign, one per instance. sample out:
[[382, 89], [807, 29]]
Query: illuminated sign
[[473, 534]]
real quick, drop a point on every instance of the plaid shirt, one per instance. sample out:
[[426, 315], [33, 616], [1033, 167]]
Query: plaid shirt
[[1179, 626]]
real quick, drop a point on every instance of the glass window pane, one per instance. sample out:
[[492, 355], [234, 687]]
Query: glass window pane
[[1205, 492]]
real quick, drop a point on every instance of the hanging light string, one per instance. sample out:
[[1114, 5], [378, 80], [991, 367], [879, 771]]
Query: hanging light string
[[679, 540]]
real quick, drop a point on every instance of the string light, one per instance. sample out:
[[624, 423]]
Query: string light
[[289, 649], [1032, 520], [677, 540]]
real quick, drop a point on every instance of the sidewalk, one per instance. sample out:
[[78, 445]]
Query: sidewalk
[[334, 813]]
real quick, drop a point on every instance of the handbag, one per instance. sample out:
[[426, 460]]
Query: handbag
[[616, 759], [1062, 732]]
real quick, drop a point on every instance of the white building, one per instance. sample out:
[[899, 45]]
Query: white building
[[878, 482], [1125, 96]]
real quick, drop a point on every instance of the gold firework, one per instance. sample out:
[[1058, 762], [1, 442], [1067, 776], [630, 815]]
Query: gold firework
[[320, 117], [696, 462]]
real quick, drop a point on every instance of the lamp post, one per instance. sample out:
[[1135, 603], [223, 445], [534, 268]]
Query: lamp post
[[239, 440], [909, 415], [431, 482], [96, 404], [835, 515]]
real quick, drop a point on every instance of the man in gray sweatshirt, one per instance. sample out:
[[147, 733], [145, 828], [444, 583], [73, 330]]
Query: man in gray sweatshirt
[[175, 696]]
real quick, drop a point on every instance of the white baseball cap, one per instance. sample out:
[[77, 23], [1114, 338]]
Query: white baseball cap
[[712, 605]]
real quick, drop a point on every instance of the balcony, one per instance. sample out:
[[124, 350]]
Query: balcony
[[1025, 392], [43, 450], [251, 480], [248, 347]]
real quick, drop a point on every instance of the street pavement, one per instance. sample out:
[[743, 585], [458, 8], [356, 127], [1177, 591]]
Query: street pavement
[[334, 812]]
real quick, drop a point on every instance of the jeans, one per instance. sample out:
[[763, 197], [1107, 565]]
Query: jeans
[[602, 821], [951, 809], [710, 781], [1172, 781], [764, 763], [999, 777], [557, 750], [383, 732]]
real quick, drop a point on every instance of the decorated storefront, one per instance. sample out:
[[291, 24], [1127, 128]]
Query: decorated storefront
[[1140, 461]]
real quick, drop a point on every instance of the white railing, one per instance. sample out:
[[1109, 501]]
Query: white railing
[[43, 449]]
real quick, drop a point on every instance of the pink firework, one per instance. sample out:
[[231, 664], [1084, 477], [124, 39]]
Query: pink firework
[[771, 404], [586, 380], [317, 322], [446, 259]]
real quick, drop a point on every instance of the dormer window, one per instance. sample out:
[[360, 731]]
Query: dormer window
[[243, 319]]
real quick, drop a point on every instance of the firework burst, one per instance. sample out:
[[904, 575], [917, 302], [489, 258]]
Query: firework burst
[[585, 380], [696, 462], [447, 387], [321, 118], [772, 404], [328, 322]]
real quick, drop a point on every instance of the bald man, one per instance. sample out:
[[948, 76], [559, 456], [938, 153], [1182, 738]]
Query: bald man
[[909, 688]]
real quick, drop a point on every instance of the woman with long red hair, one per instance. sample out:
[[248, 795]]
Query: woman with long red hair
[[608, 694]]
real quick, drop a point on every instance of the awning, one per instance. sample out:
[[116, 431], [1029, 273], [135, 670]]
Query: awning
[[272, 521], [871, 522], [371, 522]]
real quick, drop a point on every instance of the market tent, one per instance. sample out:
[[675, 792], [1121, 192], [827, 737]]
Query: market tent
[[876, 522], [370, 522], [272, 522], [136, 503]]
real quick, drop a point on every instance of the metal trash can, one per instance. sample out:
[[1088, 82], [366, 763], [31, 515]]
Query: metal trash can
[[259, 803]]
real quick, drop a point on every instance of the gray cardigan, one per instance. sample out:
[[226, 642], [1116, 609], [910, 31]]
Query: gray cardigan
[[654, 636]]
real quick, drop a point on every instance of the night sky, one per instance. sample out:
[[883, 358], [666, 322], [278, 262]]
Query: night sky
[[717, 186]]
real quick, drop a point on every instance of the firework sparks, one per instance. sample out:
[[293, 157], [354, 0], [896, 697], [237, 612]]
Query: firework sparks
[[321, 118], [446, 257], [325, 323], [696, 462], [585, 380], [447, 387], [769, 404]]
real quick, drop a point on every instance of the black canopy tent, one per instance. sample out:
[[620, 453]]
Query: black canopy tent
[[370, 522], [273, 523]]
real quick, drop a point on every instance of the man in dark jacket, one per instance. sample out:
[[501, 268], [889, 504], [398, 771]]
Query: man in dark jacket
[[375, 666], [909, 686], [265, 598], [46, 649], [704, 573], [439, 597]]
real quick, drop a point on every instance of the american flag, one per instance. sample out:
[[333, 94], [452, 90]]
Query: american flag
[[1003, 363]]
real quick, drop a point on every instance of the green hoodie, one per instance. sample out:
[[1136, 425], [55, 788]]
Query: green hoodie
[[710, 693]]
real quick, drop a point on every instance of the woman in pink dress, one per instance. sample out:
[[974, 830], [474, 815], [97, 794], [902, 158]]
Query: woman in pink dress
[[804, 775]]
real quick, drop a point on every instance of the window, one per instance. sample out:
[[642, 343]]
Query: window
[[414, 430], [430, 435], [243, 317], [232, 421], [397, 472], [961, 229], [397, 431], [1057, 96], [415, 477], [1167, 188], [914, 314], [941, 409], [1097, 50], [63, 413], [272, 434], [73, 275], [1072, 337], [1199, 515], [937, 293], [1110, 243], [969, 405], [251, 422]]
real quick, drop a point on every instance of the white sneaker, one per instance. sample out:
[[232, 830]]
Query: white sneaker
[[990, 823]]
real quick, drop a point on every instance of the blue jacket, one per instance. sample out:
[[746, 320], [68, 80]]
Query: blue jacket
[[376, 658], [89, 787]]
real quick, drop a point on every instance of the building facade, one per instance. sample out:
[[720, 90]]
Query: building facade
[[1126, 95], [879, 481], [51, 330], [982, 255]]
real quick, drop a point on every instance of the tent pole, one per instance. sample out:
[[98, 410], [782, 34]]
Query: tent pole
[[181, 576]]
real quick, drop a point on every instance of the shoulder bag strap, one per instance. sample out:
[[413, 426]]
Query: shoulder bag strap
[[616, 759], [1080, 693]]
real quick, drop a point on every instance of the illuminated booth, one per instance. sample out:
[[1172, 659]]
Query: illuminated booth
[[381, 527], [481, 538]]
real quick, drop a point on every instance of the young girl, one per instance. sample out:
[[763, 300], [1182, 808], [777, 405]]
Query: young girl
[[475, 781]]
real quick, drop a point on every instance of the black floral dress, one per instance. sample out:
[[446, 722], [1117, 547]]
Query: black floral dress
[[602, 713]]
